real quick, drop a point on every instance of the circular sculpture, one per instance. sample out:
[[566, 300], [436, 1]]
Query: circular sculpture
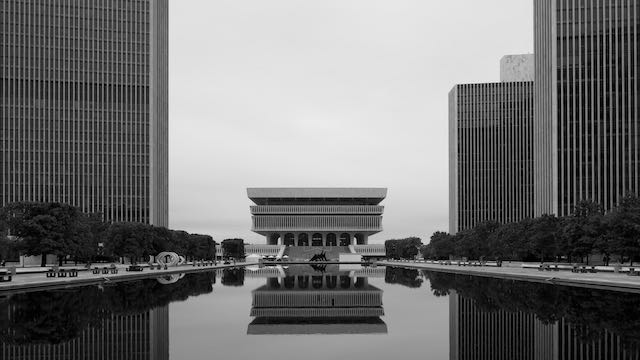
[[169, 258], [170, 279]]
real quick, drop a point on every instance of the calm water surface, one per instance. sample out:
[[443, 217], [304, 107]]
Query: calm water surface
[[320, 313]]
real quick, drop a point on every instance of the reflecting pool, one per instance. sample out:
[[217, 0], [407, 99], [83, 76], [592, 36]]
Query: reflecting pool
[[320, 312]]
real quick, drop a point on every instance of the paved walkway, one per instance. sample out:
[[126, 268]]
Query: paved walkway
[[600, 280], [31, 281]]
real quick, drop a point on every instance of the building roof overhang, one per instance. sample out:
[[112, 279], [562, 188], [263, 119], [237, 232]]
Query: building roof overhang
[[263, 196]]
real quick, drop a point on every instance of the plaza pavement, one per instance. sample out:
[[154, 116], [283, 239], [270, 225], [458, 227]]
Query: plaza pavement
[[600, 280], [35, 280]]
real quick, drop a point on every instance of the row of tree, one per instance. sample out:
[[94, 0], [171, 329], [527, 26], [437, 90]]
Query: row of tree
[[68, 233], [587, 231], [402, 248]]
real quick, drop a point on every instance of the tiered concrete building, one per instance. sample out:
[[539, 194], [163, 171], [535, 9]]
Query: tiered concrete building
[[490, 149], [317, 216], [587, 128], [84, 106]]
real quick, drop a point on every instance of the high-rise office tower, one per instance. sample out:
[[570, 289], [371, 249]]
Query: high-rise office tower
[[83, 111], [586, 136], [490, 150]]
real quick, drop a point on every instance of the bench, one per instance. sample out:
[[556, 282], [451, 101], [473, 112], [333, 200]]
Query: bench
[[95, 270], [72, 272], [135, 268], [62, 273], [114, 270], [52, 273], [633, 272], [105, 270], [5, 276]]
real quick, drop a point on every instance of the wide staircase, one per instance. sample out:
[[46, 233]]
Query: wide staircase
[[302, 253]]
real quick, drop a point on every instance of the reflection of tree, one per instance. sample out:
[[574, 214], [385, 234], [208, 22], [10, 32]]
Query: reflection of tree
[[402, 276], [589, 311], [233, 277], [57, 316]]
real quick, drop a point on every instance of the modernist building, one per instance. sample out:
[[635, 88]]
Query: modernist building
[[490, 150], [317, 304], [317, 216], [83, 106], [586, 103]]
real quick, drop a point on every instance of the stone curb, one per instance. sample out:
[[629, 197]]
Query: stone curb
[[601, 284], [46, 284]]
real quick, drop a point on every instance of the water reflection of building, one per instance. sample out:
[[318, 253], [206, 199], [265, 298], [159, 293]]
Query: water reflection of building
[[143, 336], [317, 304], [504, 334], [499, 334]]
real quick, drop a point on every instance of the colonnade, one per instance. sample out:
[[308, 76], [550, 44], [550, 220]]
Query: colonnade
[[317, 239]]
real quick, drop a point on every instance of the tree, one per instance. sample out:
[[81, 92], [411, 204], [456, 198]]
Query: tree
[[580, 231], [440, 246], [623, 228], [543, 235], [233, 248], [403, 248], [44, 228], [132, 240]]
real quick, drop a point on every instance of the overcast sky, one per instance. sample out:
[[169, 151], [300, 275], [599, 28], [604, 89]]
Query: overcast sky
[[324, 93]]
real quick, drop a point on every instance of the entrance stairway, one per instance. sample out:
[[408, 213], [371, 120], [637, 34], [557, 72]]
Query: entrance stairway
[[302, 253]]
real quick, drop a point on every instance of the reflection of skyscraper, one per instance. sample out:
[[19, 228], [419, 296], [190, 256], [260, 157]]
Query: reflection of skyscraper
[[143, 336], [503, 334], [317, 304], [159, 330], [499, 334]]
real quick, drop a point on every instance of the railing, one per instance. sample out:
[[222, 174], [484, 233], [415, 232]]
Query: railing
[[271, 250], [370, 250], [316, 209], [310, 223], [258, 249]]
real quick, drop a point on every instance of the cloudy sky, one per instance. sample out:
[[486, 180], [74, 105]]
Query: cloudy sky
[[324, 93]]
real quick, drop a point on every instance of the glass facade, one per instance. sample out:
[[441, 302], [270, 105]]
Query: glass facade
[[83, 111], [586, 107], [490, 153]]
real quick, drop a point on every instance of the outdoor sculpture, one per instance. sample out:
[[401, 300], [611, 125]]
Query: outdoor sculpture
[[169, 259], [319, 257], [170, 279]]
